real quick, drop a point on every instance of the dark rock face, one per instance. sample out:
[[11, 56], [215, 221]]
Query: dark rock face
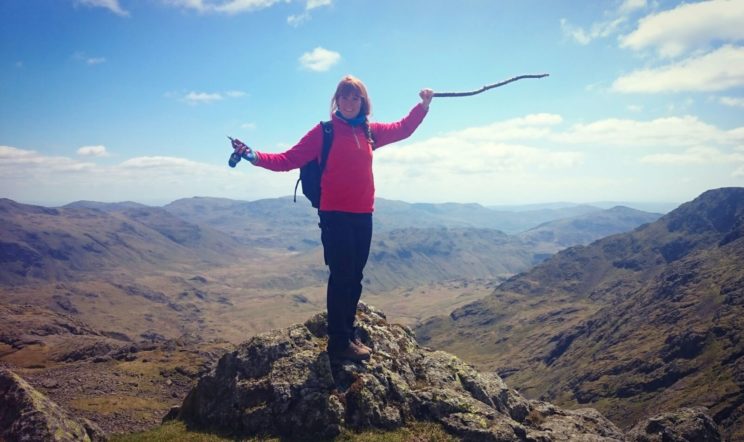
[[687, 424], [282, 383], [27, 415]]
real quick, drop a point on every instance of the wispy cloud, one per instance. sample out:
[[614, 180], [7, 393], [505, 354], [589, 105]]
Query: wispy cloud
[[93, 151], [201, 97], [716, 71], [597, 30], [195, 98], [629, 6], [82, 57], [111, 5], [298, 19], [732, 101], [15, 163], [691, 156], [319, 59], [639, 134], [224, 6], [611, 25], [688, 27]]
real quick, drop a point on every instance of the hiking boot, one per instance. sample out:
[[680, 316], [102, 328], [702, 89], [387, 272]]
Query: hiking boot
[[358, 343], [352, 353]]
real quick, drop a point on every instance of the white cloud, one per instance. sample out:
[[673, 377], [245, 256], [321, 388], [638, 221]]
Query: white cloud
[[529, 127], [81, 56], [629, 6], [249, 126], [93, 151], [719, 70], [597, 30], [224, 6], [688, 27], [483, 150], [298, 19], [660, 132], [532, 158], [313, 4], [166, 165], [201, 97], [16, 162], [195, 98], [111, 5], [319, 59], [732, 101], [694, 155], [27, 175], [614, 21], [539, 157]]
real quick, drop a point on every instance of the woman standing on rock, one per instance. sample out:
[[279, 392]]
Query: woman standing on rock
[[347, 198]]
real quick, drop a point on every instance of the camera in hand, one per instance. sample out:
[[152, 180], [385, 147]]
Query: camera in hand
[[235, 158]]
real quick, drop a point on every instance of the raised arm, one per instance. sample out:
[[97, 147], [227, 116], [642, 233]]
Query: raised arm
[[386, 133]]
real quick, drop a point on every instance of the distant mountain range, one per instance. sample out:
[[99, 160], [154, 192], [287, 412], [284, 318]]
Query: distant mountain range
[[553, 236], [632, 324], [414, 243], [62, 243], [197, 265]]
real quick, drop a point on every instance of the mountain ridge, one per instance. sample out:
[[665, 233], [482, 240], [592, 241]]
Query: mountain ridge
[[625, 322]]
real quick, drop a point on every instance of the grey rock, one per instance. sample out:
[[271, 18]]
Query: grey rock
[[683, 425], [28, 415], [282, 383]]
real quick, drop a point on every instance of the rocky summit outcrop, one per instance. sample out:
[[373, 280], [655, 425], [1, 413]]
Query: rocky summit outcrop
[[281, 383], [27, 415]]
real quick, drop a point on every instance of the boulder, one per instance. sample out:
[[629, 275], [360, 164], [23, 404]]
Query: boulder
[[282, 383], [28, 415], [685, 424]]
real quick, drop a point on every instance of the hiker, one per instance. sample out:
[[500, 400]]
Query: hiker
[[346, 199]]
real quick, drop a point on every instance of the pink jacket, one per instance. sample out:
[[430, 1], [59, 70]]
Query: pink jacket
[[347, 184]]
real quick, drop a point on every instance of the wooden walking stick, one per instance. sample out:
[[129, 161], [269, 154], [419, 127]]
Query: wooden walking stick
[[485, 88]]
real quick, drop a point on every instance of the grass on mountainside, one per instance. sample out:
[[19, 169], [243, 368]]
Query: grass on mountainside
[[176, 432]]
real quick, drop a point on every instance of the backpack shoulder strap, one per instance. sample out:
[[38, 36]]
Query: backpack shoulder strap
[[327, 142], [370, 135]]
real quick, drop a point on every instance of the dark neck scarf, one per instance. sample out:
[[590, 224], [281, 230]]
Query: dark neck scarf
[[353, 122]]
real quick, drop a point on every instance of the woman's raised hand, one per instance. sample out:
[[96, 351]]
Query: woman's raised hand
[[426, 96]]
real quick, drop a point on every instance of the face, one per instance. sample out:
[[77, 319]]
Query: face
[[349, 105]]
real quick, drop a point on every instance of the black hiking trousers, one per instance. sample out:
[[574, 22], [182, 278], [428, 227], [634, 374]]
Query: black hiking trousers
[[346, 239]]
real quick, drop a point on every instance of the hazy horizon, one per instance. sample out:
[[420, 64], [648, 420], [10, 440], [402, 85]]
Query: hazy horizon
[[648, 206]]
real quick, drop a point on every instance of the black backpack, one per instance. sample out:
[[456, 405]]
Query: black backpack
[[311, 172]]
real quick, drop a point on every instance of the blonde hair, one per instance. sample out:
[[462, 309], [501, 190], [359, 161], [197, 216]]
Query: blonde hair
[[352, 85]]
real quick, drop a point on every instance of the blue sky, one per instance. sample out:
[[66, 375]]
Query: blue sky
[[114, 100]]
